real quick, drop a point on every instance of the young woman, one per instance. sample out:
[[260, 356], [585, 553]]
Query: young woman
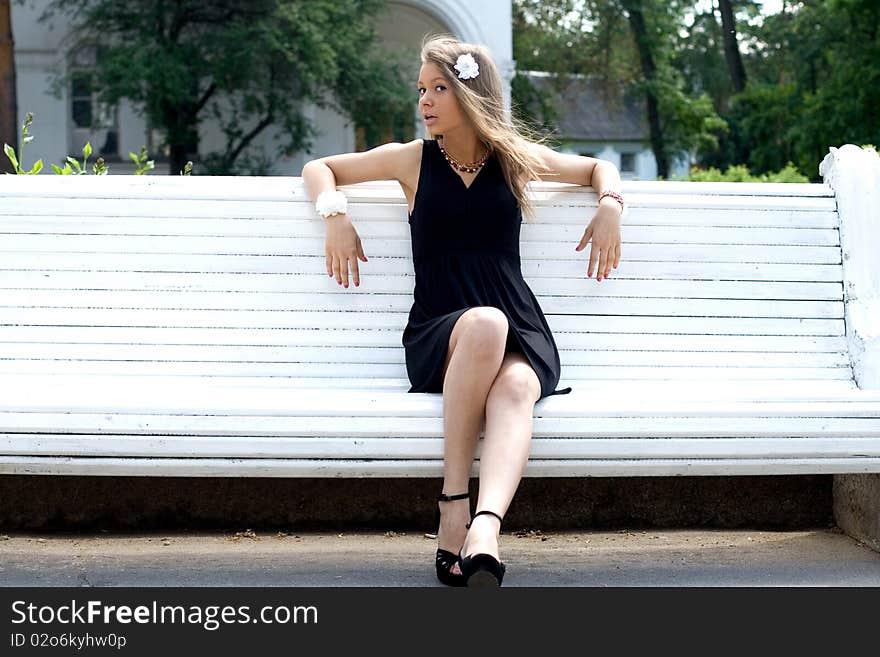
[[475, 330]]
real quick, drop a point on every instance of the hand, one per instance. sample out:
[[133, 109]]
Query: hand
[[604, 230], [343, 249]]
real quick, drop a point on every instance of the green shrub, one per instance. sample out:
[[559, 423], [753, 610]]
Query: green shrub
[[72, 166], [741, 173]]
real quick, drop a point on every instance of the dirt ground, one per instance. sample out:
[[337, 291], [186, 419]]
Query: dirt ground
[[679, 557]]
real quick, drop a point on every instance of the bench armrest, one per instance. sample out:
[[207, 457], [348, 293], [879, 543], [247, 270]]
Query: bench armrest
[[854, 174]]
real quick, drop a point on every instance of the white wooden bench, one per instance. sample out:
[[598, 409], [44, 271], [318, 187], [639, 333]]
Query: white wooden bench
[[179, 326]]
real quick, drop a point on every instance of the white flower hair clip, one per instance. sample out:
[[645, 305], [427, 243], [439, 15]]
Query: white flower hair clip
[[467, 66]]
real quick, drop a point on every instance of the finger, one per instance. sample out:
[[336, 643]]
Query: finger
[[585, 239], [329, 265], [336, 270], [355, 272], [345, 272], [594, 256], [600, 270], [617, 256]]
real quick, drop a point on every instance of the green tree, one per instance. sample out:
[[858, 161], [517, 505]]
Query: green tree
[[626, 46], [822, 58], [249, 65]]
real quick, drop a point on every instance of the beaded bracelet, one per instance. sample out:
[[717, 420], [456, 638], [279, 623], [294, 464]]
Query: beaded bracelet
[[617, 197], [330, 203]]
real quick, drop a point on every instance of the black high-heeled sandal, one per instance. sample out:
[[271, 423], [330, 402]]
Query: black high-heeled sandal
[[446, 559], [482, 570]]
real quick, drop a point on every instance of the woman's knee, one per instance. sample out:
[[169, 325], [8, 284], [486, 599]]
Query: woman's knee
[[485, 330], [516, 382]]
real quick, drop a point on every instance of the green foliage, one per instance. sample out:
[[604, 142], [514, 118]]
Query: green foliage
[[741, 173], [814, 82], [812, 72], [72, 166], [141, 162], [253, 65], [689, 122], [596, 38], [26, 138]]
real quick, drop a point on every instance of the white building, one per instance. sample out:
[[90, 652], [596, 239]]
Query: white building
[[64, 122]]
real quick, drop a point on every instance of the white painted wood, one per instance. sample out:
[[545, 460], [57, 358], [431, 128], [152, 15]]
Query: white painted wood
[[156, 283], [350, 468], [573, 373], [854, 174], [156, 326], [534, 269], [410, 447], [369, 356], [608, 390], [343, 338], [595, 323]]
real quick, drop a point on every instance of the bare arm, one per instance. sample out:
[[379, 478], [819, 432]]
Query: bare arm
[[604, 228], [343, 247], [385, 162]]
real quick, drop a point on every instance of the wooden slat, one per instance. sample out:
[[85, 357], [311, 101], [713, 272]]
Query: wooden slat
[[358, 356], [169, 396], [570, 373], [318, 426], [283, 187], [381, 267], [337, 319], [598, 391], [336, 298], [376, 230], [402, 248], [370, 337], [96, 466], [157, 283], [48, 215], [408, 447]]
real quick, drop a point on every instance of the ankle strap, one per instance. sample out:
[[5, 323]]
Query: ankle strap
[[442, 497], [468, 526]]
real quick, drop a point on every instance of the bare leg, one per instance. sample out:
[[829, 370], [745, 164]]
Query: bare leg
[[475, 355], [506, 443]]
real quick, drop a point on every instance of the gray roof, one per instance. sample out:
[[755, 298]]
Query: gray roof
[[586, 114]]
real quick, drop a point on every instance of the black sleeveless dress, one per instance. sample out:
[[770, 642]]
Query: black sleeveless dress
[[465, 245]]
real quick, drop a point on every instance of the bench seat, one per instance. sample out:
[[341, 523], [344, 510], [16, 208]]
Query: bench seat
[[136, 426]]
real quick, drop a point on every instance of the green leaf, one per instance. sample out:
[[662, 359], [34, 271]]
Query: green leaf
[[10, 153], [87, 149], [57, 169], [38, 166]]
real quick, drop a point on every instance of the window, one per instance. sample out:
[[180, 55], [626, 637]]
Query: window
[[628, 162], [91, 120]]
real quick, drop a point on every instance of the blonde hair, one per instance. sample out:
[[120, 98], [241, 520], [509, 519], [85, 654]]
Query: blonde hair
[[482, 101]]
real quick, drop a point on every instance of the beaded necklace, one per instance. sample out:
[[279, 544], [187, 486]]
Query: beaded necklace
[[472, 167]]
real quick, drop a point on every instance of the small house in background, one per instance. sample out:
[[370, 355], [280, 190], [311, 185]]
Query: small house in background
[[66, 120], [613, 129]]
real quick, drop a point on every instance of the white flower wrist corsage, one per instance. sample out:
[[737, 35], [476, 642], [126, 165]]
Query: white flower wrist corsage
[[331, 203]]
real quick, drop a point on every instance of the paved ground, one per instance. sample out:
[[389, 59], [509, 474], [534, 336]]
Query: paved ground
[[821, 557]]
